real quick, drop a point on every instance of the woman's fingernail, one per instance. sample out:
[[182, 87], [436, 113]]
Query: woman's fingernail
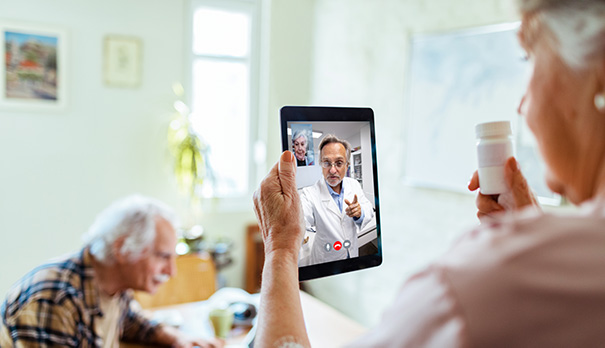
[[288, 158]]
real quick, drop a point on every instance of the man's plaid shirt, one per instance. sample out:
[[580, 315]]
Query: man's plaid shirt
[[56, 304]]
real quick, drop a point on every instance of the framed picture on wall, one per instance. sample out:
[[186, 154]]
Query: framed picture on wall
[[122, 64], [33, 69]]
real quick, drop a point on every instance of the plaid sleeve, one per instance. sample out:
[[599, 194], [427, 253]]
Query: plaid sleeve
[[42, 324], [135, 327]]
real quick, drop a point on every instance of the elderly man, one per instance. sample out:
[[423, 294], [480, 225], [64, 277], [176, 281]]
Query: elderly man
[[335, 207], [83, 300]]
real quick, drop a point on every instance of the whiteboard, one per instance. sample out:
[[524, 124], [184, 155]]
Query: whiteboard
[[456, 80]]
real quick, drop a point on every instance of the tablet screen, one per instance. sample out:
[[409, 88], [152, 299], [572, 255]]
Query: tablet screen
[[336, 177]]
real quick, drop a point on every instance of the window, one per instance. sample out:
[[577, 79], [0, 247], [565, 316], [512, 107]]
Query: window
[[223, 92]]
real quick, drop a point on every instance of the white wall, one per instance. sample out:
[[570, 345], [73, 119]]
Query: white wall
[[286, 46], [360, 56], [290, 54], [366, 159], [60, 169], [286, 33]]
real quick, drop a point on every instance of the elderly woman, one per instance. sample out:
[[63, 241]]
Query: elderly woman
[[300, 145], [523, 278]]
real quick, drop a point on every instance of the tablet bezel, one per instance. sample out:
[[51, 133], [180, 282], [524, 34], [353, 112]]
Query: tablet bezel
[[337, 114]]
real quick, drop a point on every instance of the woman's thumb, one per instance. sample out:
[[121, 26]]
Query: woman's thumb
[[287, 172], [517, 183]]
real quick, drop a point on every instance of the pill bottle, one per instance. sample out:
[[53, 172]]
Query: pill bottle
[[494, 147]]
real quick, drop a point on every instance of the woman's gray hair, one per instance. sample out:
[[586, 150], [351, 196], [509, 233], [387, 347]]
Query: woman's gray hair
[[301, 132], [134, 217], [578, 27], [331, 138]]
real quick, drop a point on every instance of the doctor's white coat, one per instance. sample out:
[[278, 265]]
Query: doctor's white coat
[[322, 216]]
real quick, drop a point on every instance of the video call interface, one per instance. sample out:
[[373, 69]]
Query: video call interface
[[336, 190]]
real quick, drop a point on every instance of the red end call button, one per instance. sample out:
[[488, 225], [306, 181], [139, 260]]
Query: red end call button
[[337, 245]]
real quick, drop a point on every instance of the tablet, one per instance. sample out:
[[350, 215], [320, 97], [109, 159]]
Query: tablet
[[337, 180]]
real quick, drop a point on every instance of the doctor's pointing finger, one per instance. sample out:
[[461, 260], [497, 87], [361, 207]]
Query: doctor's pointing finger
[[353, 208]]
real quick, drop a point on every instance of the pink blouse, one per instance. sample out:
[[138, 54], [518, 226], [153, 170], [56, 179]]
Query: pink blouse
[[525, 280]]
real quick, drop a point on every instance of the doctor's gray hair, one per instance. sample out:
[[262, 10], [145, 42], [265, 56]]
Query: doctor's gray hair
[[133, 217], [331, 138], [577, 27]]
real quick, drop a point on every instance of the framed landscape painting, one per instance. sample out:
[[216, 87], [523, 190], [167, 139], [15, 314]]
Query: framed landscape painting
[[33, 67]]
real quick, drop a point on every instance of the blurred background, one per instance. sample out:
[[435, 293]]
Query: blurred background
[[238, 62]]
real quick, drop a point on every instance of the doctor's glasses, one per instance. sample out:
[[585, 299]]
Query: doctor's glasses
[[337, 164]]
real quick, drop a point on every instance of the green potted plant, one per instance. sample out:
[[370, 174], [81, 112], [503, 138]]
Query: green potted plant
[[188, 150]]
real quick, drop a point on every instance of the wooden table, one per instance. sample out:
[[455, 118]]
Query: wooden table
[[326, 326]]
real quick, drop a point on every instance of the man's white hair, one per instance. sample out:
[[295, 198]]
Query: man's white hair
[[578, 27], [134, 217]]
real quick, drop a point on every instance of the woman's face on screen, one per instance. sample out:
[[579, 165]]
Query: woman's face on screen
[[300, 147]]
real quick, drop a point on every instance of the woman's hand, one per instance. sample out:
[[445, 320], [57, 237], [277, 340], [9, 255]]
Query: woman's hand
[[279, 213], [517, 197], [277, 207]]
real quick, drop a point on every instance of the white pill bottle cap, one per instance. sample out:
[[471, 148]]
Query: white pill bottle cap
[[493, 129]]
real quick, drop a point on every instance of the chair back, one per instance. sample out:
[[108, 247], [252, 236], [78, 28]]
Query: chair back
[[195, 280]]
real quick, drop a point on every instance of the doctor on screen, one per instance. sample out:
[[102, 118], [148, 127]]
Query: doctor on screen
[[335, 207]]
